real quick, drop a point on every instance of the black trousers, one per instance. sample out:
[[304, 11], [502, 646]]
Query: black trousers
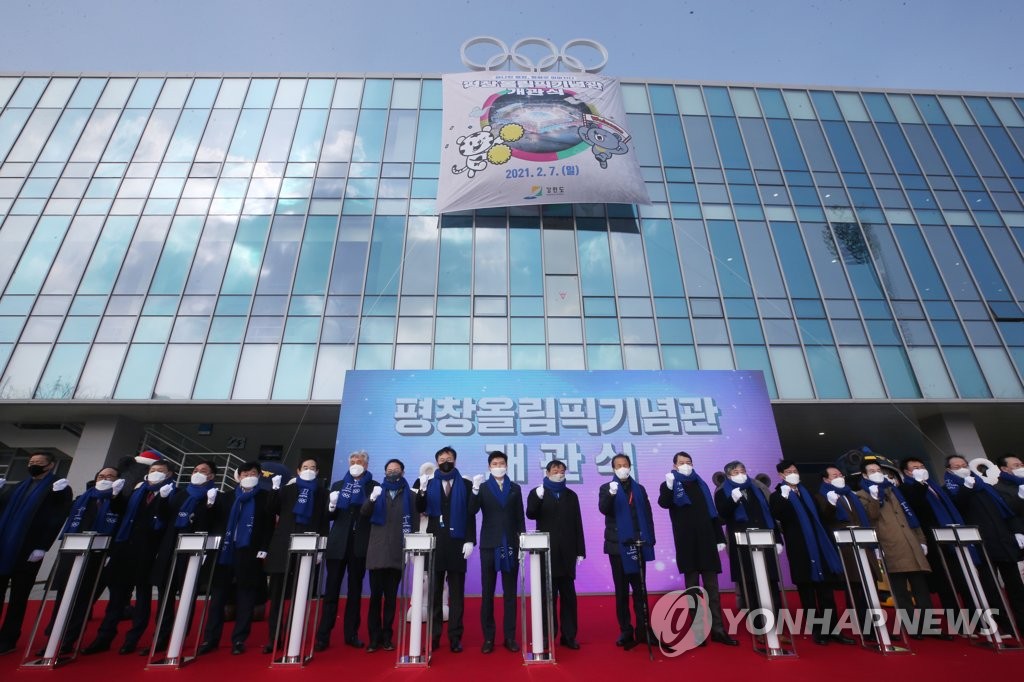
[[355, 566], [224, 584], [1014, 592], [20, 583], [910, 592], [710, 581], [456, 605], [817, 599], [488, 579], [623, 584], [83, 600], [380, 620], [564, 613], [120, 597]]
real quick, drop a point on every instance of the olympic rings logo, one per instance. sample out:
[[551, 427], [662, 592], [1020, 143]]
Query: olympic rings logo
[[546, 63]]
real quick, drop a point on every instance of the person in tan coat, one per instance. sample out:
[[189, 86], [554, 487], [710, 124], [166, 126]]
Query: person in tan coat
[[902, 542]]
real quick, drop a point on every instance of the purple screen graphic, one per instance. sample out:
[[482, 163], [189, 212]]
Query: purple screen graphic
[[580, 417]]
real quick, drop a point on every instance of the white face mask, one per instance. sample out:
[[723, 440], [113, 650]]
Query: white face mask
[[738, 479], [155, 477], [685, 469], [499, 472], [1019, 472], [198, 478], [920, 475], [556, 478], [792, 479], [622, 474], [356, 470], [838, 482], [249, 482], [877, 477], [308, 474], [962, 473], [104, 484]]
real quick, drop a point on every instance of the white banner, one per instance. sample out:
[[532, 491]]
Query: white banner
[[514, 139]]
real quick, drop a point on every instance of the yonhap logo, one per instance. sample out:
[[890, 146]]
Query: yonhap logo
[[682, 620]]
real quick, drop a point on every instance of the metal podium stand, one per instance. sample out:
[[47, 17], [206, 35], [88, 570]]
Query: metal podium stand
[[757, 542], [303, 552], [861, 540], [415, 639], [193, 548], [78, 546], [959, 538], [536, 607]]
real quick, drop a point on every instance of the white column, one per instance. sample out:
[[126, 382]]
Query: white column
[[416, 608], [536, 605]]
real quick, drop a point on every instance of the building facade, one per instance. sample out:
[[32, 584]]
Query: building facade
[[180, 250]]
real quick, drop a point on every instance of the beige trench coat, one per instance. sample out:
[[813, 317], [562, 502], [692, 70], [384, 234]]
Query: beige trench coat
[[900, 544]]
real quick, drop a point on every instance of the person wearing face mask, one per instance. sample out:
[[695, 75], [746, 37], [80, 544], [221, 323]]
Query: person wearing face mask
[[556, 509], [500, 502], [814, 563], [900, 539], [196, 508], [445, 499], [239, 568], [392, 512], [1001, 530], [627, 517], [131, 557], [1011, 482], [300, 507], [698, 535], [347, 545], [31, 515], [741, 505]]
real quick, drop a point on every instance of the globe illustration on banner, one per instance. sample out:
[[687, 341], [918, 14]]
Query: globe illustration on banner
[[550, 122]]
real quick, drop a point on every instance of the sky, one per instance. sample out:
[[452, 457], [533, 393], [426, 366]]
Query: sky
[[899, 44]]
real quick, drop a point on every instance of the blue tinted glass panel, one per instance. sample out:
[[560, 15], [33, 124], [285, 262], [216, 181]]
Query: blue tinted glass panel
[[246, 255], [456, 263], [216, 372], [732, 271], [663, 99], [702, 145], [827, 372], [985, 271], [843, 148], [896, 370], [729, 143], [772, 104], [315, 257], [369, 141], [294, 372], [670, 141], [951, 148], [139, 372], [879, 107], [966, 373], [1009, 156], [662, 262], [787, 146], [795, 266], [62, 371], [526, 273], [595, 263], [38, 255]]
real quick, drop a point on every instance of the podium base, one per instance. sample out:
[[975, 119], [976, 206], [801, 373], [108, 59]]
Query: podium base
[[784, 650], [530, 657], [421, 660]]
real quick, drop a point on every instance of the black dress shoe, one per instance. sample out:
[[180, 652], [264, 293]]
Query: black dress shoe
[[98, 646], [512, 645], [843, 639], [569, 643], [356, 643], [388, 646], [372, 648], [623, 640], [206, 647], [7, 646], [820, 640], [320, 645], [456, 646], [487, 648], [944, 636], [268, 648], [238, 648], [127, 648], [723, 638], [435, 643]]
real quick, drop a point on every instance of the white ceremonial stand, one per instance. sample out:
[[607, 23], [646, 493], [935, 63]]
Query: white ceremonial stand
[[759, 543], [414, 636], [304, 553], [536, 604]]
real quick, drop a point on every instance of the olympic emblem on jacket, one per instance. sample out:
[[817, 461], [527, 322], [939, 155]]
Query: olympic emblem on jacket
[[524, 62]]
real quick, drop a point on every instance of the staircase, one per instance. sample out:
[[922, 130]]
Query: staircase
[[186, 453]]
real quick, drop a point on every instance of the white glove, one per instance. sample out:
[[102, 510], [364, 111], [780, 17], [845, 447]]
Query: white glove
[[737, 494], [613, 488], [423, 483], [375, 494], [211, 497], [60, 484], [778, 548], [969, 482], [262, 555], [540, 492], [1020, 540], [335, 494], [670, 480], [786, 491], [873, 491], [477, 481], [118, 486], [3, 482], [165, 490], [833, 497], [1020, 491], [36, 555], [275, 482], [467, 550], [579, 560], [924, 548], [720, 546]]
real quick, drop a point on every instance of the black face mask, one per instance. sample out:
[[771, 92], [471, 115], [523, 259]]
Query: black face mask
[[446, 467], [393, 478], [36, 469]]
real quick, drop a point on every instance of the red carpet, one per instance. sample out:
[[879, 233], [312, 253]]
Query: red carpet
[[598, 659]]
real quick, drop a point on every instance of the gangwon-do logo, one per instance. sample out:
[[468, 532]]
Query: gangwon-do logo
[[682, 620]]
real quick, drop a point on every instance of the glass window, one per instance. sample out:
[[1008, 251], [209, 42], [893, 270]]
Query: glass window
[[762, 154], [790, 372], [101, 370], [332, 363], [696, 258], [744, 102], [38, 255], [294, 372], [702, 146], [62, 371], [491, 262], [966, 373], [999, 373]]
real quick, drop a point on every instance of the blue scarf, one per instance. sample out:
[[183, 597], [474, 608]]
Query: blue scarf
[[1010, 478], [240, 522], [851, 497], [105, 520], [303, 508], [134, 503], [818, 545], [353, 491], [435, 495], [946, 513], [954, 484], [502, 553], [17, 517], [380, 508], [552, 487], [626, 531], [912, 519], [752, 491], [196, 493], [681, 499]]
